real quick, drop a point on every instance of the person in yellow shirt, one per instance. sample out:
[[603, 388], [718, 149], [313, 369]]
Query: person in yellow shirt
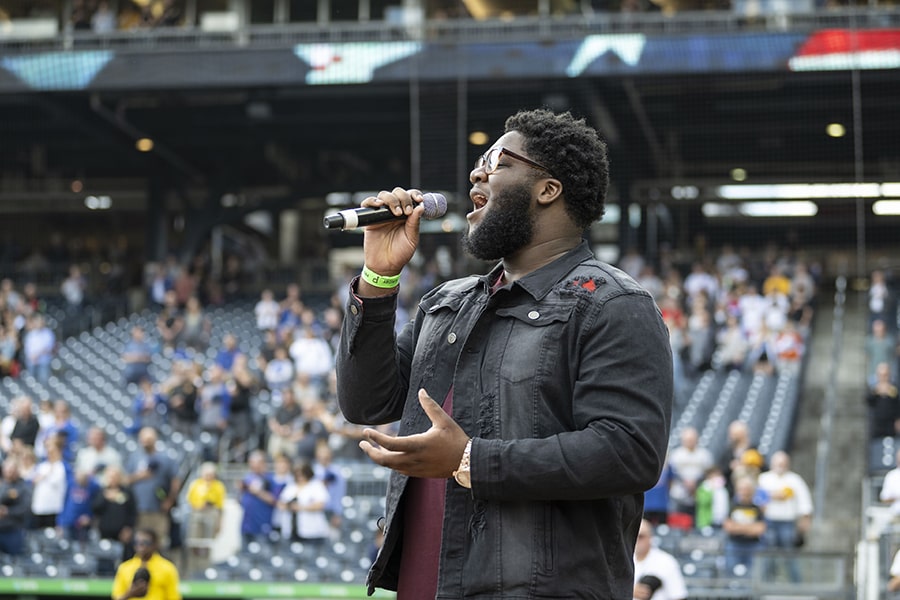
[[206, 497], [147, 575]]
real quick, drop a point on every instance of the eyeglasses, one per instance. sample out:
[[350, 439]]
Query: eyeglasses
[[490, 160]]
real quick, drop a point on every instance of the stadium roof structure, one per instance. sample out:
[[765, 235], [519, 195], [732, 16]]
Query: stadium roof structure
[[279, 114]]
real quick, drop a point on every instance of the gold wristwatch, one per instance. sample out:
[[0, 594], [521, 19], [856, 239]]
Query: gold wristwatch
[[463, 474]]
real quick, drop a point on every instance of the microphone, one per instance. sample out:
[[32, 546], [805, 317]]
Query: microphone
[[435, 207]]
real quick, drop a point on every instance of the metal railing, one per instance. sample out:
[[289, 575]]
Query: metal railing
[[456, 31]]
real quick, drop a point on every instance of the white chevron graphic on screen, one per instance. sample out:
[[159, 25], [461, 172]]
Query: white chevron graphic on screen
[[351, 62], [628, 47]]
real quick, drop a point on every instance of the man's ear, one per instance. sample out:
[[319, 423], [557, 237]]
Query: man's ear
[[548, 190]]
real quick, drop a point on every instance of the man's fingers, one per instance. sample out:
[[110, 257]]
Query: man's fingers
[[434, 410]]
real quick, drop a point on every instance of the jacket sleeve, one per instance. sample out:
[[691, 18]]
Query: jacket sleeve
[[621, 410], [372, 364]]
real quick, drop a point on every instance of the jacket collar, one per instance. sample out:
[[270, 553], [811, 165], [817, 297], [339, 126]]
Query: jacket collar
[[539, 282]]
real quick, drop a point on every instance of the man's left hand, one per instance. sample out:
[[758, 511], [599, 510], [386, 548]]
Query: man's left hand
[[435, 453]]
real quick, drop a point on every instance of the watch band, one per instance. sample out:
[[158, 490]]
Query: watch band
[[463, 473]]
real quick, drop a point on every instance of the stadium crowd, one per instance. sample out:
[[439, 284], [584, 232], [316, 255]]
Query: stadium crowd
[[737, 311]]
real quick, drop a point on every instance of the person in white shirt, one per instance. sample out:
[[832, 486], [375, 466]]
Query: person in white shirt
[[49, 491], [789, 508], [267, 311], [689, 463], [890, 489], [304, 500], [312, 355], [657, 573], [96, 455]]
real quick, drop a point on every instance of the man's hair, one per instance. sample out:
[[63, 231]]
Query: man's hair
[[574, 153]]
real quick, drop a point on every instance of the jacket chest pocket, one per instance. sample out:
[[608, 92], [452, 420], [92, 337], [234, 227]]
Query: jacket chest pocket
[[535, 340]]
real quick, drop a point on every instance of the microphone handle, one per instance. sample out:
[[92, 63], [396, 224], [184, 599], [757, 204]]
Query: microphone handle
[[360, 217]]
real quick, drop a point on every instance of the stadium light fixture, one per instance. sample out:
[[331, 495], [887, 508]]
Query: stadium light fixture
[[773, 209], [800, 191], [835, 130], [890, 207], [144, 145]]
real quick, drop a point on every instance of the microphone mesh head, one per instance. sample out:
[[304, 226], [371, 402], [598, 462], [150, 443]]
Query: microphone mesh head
[[435, 205]]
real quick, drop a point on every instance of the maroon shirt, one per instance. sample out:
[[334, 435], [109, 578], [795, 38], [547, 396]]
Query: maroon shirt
[[423, 520]]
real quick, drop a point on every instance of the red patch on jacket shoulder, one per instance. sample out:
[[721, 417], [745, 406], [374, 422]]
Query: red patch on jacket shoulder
[[587, 283]]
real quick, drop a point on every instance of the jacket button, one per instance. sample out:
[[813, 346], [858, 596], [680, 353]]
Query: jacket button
[[354, 310], [534, 315], [451, 338]]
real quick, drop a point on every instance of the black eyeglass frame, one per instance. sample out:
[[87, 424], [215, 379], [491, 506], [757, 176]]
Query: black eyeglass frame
[[482, 161]]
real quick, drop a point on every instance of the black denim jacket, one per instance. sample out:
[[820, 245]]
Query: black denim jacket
[[564, 380]]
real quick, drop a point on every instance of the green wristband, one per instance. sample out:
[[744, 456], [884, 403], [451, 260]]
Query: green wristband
[[379, 281]]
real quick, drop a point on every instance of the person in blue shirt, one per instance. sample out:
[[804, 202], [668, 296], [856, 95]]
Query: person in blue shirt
[[257, 499], [75, 518]]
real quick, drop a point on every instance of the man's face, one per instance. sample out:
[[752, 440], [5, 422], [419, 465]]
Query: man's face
[[143, 546], [506, 226]]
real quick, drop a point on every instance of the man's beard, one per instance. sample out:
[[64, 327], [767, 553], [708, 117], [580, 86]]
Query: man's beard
[[506, 228]]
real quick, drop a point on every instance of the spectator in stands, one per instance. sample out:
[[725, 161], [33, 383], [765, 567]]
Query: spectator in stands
[[312, 355], [657, 500], [97, 455], [15, 506], [39, 347], [137, 356], [244, 386], [158, 284], [26, 428], [745, 526], [104, 19], [149, 406], [657, 573], [305, 501], [712, 499], [732, 345], [883, 404], [890, 488], [197, 326], [50, 484], [180, 391], [147, 574], [788, 512], [256, 499], [689, 462], [284, 426], [738, 443], [803, 286], [700, 281], [880, 347], [76, 517], [315, 427], [279, 371], [777, 282], [227, 352], [267, 350], [893, 584], [153, 477], [64, 427], [214, 409], [9, 350], [170, 322], [115, 510], [881, 300], [206, 498], [334, 481], [267, 311], [701, 334], [282, 476]]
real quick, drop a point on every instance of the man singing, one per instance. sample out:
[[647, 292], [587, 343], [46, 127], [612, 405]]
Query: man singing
[[534, 401]]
